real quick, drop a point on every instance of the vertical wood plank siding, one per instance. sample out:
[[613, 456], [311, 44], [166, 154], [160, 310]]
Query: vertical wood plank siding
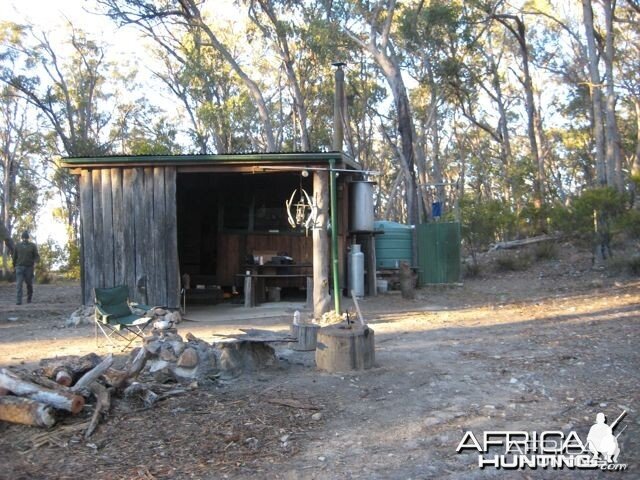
[[87, 235], [129, 230], [159, 234], [98, 251], [107, 227], [171, 234]]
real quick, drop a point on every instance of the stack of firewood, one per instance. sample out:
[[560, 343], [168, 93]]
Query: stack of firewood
[[174, 359], [65, 384]]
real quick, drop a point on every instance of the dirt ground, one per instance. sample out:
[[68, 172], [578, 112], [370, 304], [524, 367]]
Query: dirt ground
[[536, 350]]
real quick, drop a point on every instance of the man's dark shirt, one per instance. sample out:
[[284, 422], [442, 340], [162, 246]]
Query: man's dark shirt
[[25, 254]]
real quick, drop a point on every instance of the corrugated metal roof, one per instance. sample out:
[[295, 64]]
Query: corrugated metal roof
[[231, 158]]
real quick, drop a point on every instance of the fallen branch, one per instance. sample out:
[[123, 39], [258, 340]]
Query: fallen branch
[[56, 398], [103, 405], [290, 402], [523, 242], [93, 374], [26, 412], [355, 302], [119, 379]]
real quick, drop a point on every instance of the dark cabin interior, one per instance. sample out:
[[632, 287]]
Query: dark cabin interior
[[229, 222]]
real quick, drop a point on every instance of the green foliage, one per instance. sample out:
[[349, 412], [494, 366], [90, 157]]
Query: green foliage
[[483, 222], [578, 219], [51, 254], [629, 223], [71, 268]]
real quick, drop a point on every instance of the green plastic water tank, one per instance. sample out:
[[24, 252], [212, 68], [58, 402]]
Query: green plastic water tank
[[393, 245]]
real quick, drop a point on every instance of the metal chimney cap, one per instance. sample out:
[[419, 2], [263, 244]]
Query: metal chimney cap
[[339, 64]]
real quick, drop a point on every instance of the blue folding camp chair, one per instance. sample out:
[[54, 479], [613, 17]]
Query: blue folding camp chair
[[116, 319]]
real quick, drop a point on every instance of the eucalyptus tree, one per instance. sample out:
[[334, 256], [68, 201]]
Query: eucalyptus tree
[[69, 95], [160, 22], [219, 111], [614, 161], [18, 142], [276, 20], [372, 27], [595, 85], [515, 24]]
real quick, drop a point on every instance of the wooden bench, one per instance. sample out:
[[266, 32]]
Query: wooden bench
[[254, 285]]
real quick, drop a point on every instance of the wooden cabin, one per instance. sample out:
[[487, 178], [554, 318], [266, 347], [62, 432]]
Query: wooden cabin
[[146, 221]]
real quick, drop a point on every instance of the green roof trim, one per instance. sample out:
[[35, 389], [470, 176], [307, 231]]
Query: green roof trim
[[237, 158]]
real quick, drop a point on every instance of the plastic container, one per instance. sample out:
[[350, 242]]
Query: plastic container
[[393, 245], [382, 285]]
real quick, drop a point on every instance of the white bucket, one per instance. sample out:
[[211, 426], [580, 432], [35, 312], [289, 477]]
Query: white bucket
[[382, 285]]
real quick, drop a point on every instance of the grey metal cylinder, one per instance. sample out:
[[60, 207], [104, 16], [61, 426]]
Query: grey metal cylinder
[[361, 206], [356, 271]]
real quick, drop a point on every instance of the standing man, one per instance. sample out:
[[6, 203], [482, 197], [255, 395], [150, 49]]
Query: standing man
[[25, 255]]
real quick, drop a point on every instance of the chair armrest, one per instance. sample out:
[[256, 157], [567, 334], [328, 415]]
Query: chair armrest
[[101, 315]]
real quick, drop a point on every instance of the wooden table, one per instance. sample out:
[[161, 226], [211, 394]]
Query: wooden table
[[255, 277]]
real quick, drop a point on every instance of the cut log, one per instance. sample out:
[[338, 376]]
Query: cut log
[[73, 365], [95, 373], [103, 405], [26, 412], [64, 378], [55, 398], [342, 349], [307, 337], [407, 281]]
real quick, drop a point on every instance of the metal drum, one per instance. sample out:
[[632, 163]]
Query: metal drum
[[361, 206]]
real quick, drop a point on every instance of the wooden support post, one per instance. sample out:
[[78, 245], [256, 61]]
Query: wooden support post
[[370, 264], [321, 297], [309, 292], [248, 291]]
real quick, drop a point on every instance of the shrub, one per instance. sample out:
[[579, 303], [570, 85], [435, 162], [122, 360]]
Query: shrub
[[508, 262], [629, 265], [471, 270], [545, 251]]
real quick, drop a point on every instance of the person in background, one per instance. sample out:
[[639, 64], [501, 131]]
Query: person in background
[[25, 256]]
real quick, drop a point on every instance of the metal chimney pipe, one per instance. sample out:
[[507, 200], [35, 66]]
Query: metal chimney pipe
[[338, 107]]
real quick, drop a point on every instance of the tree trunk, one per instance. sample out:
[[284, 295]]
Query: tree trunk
[[595, 88], [614, 160], [503, 127], [321, 297], [635, 168], [532, 120], [298, 100]]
